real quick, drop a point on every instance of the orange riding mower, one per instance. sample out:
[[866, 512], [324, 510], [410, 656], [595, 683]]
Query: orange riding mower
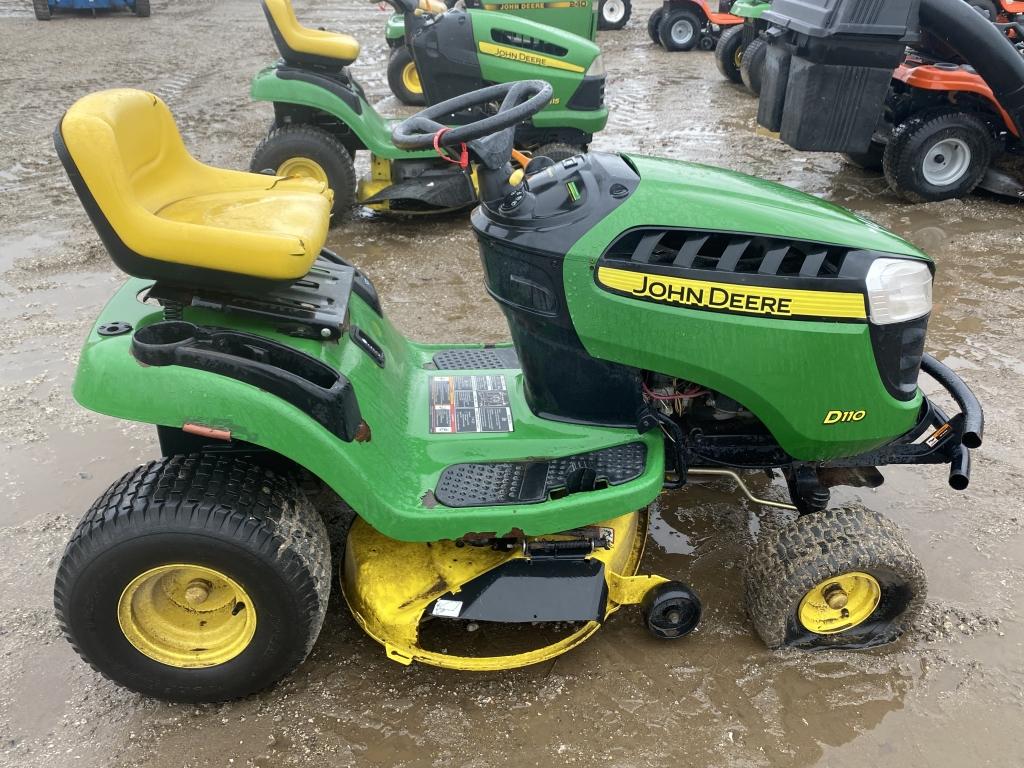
[[682, 25]]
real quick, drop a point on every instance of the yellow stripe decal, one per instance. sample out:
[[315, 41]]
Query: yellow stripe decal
[[506, 7], [728, 297], [527, 57]]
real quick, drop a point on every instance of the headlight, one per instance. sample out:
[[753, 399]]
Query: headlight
[[898, 290], [596, 68]]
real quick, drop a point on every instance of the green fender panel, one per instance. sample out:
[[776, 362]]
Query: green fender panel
[[373, 130], [388, 480]]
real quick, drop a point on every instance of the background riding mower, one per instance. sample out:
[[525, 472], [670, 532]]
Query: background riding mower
[[45, 8], [741, 49], [682, 25], [999, 10], [662, 315], [936, 126], [577, 17], [322, 117]]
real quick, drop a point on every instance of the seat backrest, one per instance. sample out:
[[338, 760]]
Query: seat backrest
[[304, 46], [124, 155]]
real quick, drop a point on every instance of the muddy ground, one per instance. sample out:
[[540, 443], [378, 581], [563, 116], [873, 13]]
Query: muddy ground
[[949, 694]]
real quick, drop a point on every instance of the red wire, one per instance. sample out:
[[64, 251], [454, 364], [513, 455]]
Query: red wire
[[463, 161]]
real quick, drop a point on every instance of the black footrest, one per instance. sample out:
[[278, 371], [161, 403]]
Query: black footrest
[[531, 482], [478, 359]]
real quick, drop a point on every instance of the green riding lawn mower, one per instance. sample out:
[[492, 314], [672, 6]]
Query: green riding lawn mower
[[741, 49], [322, 118], [940, 120], [668, 322], [578, 17]]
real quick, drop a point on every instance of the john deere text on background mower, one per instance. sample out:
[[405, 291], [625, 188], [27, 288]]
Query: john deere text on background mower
[[662, 316], [322, 118]]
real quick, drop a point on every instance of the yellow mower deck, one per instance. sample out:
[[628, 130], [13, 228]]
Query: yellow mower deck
[[389, 585]]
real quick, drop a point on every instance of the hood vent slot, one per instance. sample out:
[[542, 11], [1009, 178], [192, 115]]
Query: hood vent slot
[[728, 252]]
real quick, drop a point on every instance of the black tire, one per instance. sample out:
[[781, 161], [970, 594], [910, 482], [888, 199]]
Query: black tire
[[785, 565], [42, 9], [291, 141], [218, 512], [400, 59], [752, 66], [558, 151], [680, 20], [729, 53], [988, 8], [142, 8], [613, 14], [653, 24], [870, 160], [918, 169]]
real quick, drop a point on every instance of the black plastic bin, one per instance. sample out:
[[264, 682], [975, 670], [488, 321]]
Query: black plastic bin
[[828, 69]]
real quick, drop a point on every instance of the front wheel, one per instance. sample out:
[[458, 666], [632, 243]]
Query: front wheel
[[302, 150], [729, 53], [841, 578], [196, 578], [613, 14], [557, 151], [42, 9], [752, 66], [680, 30], [653, 24], [404, 78], [938, 156]]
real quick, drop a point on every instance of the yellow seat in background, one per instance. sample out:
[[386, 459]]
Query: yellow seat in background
[[301, 41], [171, 210]]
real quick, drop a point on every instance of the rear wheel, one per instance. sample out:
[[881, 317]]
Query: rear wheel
[[841, 578], [613, 14], [558, 151], [938, 156], [653, 24], [142, 8], [302, 150], [729, 53], [404, 79], [42, 9], [680, 30], [196, 578], [752, 66]]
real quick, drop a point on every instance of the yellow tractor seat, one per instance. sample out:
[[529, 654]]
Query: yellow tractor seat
[[165, 216], [301, 46], [433, 6]]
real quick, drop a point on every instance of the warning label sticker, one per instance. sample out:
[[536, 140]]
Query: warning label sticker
[[469, 404]]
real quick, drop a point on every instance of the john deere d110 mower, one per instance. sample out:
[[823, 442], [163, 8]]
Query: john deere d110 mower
[[322, 117], [948, 120], [741, 49], [668, 321]]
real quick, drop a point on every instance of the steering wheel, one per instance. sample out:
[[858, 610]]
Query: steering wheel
[[491, 138]]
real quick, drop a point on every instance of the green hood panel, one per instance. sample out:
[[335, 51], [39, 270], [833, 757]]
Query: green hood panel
[[681, 194], [749, 9]]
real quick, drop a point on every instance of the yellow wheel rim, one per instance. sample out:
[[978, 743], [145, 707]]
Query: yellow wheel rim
[[304, 167], [737, 57], [411, 78], [840, 603], [186, 616]]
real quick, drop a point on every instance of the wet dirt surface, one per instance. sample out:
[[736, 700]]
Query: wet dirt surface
[[949, 694]]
